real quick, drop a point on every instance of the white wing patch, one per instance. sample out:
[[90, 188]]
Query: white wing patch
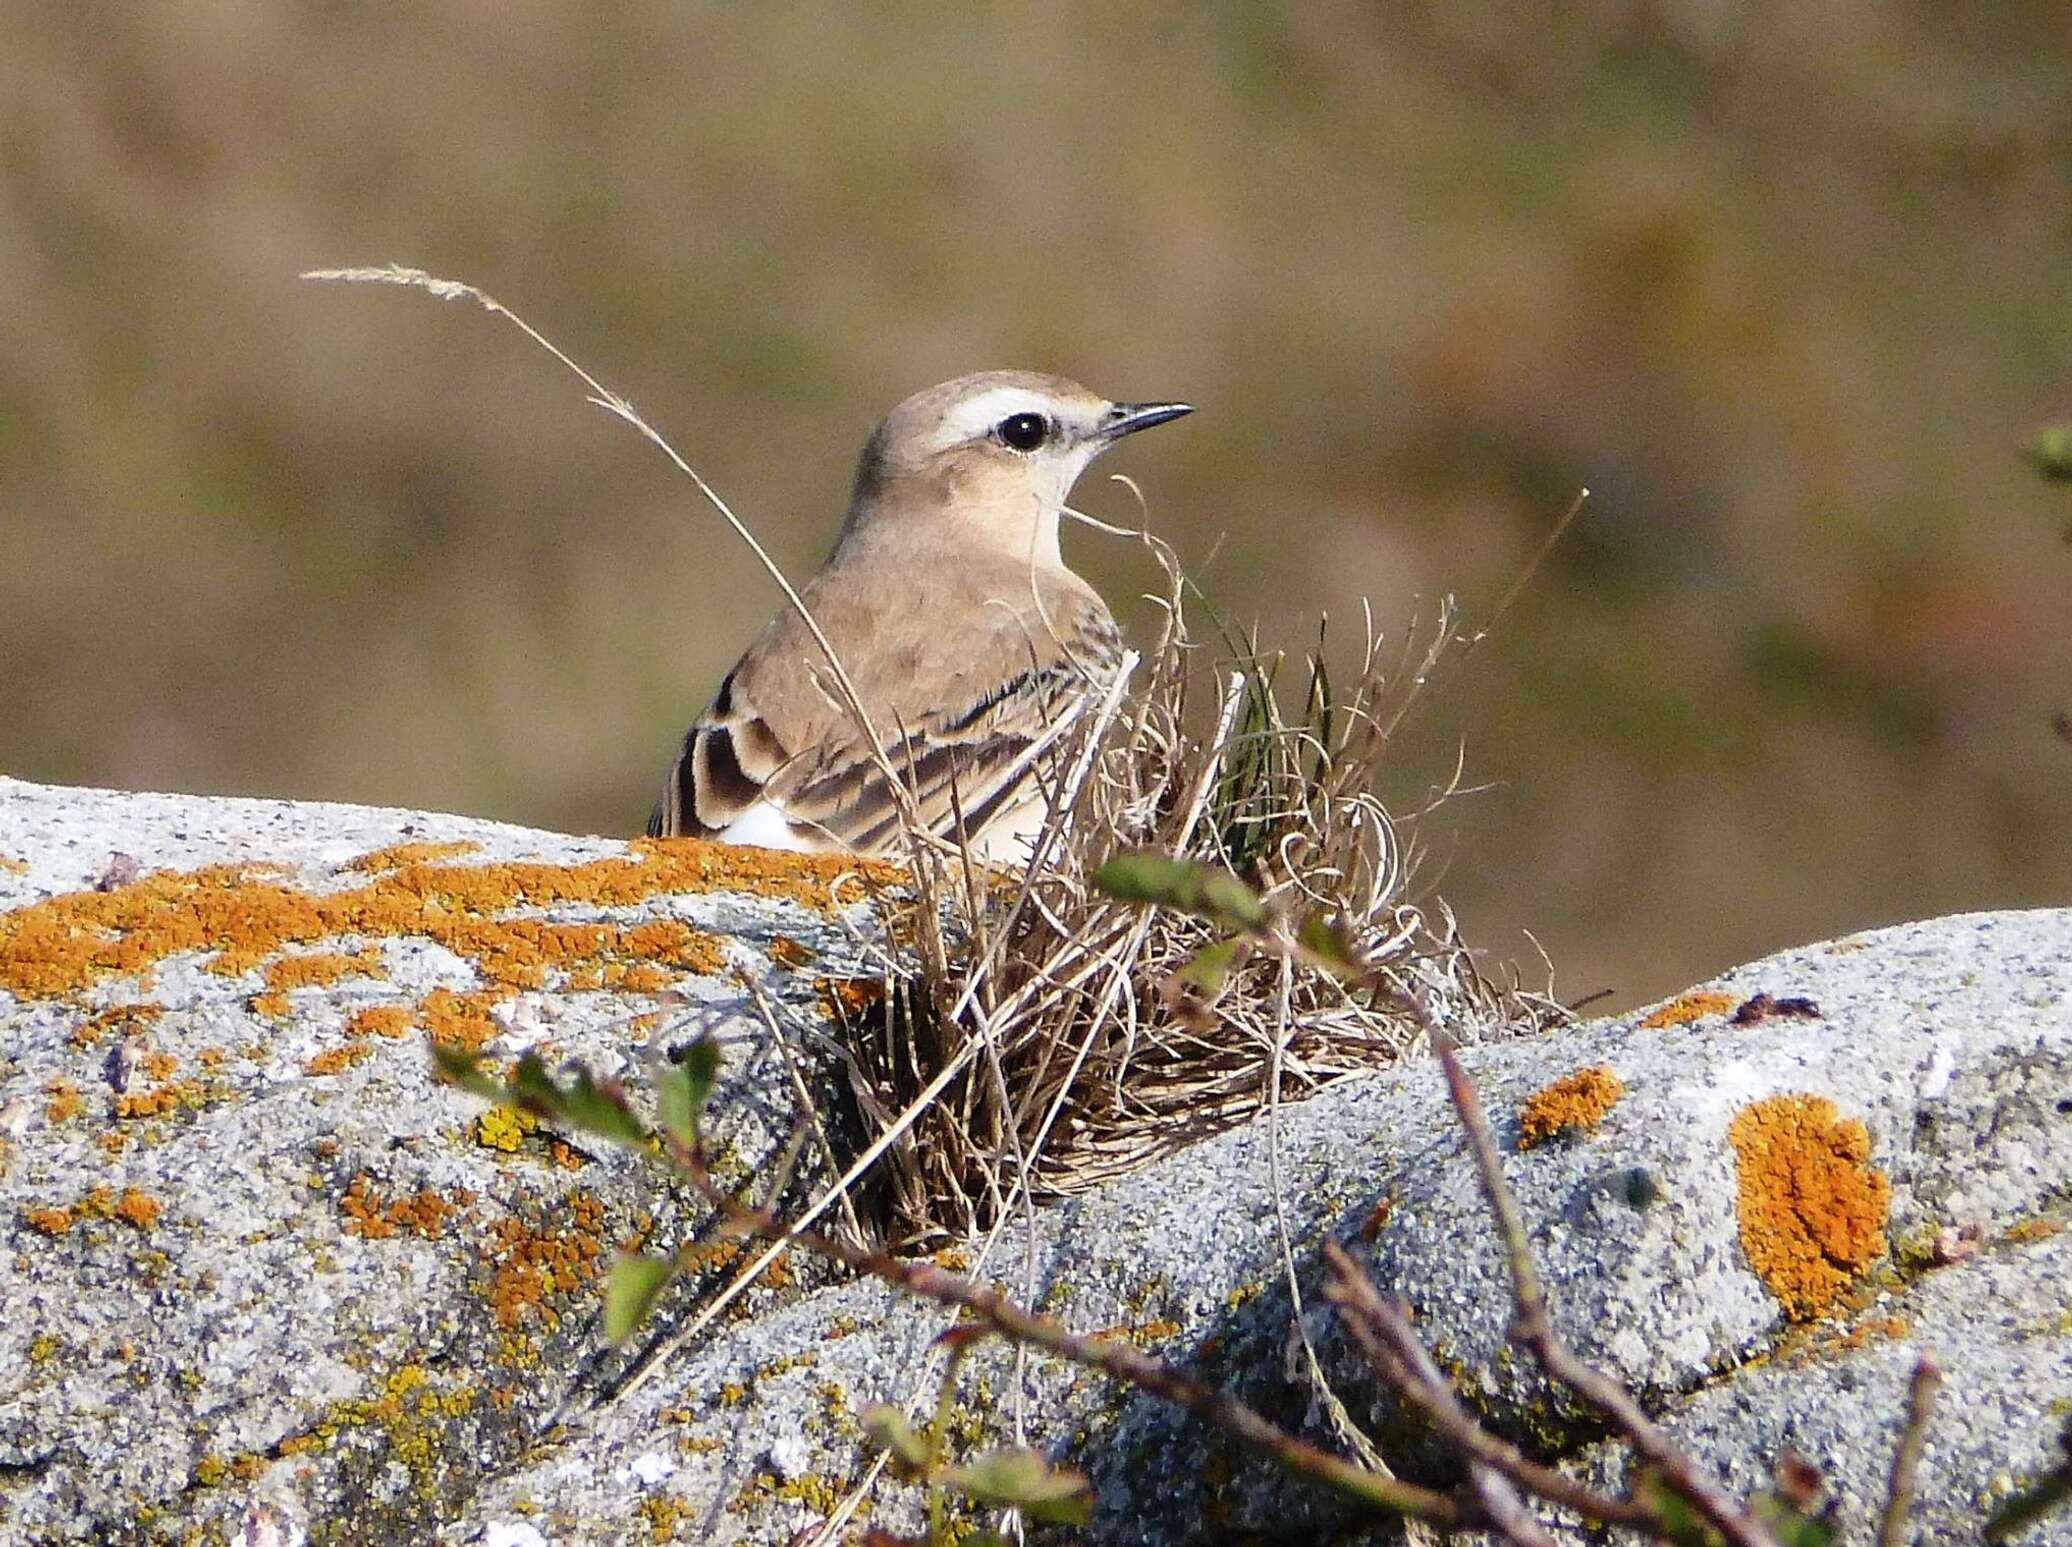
[[763, 826]]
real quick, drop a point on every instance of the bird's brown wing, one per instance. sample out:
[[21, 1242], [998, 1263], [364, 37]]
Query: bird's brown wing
[[963, 742]]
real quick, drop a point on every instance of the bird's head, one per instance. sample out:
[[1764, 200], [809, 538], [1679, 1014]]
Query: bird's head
[[993, 455]]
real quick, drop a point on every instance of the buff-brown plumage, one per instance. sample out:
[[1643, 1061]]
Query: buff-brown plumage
[[970, 645]]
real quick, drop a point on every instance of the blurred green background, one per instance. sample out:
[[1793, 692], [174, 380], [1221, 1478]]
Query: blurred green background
[[1783, 284]]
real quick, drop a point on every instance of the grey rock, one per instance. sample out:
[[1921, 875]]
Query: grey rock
[[252, 1352]]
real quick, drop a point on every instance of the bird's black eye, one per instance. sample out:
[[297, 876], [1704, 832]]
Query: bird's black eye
[[1023, 432]]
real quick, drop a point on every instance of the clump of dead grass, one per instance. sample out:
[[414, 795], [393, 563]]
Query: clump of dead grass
[[1094, 1035]]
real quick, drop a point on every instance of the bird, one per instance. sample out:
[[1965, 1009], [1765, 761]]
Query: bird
[[969, 644]]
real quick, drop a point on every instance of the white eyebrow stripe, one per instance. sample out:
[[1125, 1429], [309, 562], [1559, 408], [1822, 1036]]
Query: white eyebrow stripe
[[976, 415]]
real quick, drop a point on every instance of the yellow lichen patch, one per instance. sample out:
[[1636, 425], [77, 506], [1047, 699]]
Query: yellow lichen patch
[[1575, 1103], [381, 1020], [243, 916], [13, 866], [1685, 1008], [411, 1412], [503, 1128], [370, 1217], [535, 1271], [1811, 1209]]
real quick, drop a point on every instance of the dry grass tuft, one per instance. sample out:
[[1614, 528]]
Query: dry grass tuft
[[1090, 1035]]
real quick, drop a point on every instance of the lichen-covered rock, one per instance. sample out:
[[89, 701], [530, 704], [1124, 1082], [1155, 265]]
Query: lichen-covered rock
[[258, 1272], [254, 1254]]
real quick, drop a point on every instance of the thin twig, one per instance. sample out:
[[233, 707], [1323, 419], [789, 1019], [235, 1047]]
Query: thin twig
[[622, 408], [1385, 1335], [1120, 1362], [1906, 1459], [1533, 1330]]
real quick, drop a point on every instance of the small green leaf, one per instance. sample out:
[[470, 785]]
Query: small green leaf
[[458, 1066], [583, 1103], [1325, 942], [1209, 968], [683, 1086], [1678, 1522], [1791, 1527], [636, 1282], [1206, 890], [887, 1426], [1053, 1495], [2052, 1491], [2050, 453]]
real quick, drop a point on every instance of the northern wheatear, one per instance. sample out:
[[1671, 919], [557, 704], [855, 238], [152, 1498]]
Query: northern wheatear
[[968, 641]]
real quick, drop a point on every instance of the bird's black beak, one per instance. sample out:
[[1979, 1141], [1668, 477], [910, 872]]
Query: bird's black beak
[[1128, 418]]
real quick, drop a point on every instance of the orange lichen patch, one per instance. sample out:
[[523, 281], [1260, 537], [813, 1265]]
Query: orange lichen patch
[[64, 1102], [790, 955], [48, 1221], [320, 969], [2030, 1230], [112, 1141], [64, 944], [158, 1065], [1811, 1209], [812, 879], [566, 1155], [1685, 1008], [381, 1020], [128, 1018], [336, 1060], [1876, 1329], [459, 1019], [1575, 1103], [137, 1207], [397, 855], [424, 1213], [850, 999], [157, 1103], [535, 1271], [640, 978], [1148, 1332], [708, 1256]]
